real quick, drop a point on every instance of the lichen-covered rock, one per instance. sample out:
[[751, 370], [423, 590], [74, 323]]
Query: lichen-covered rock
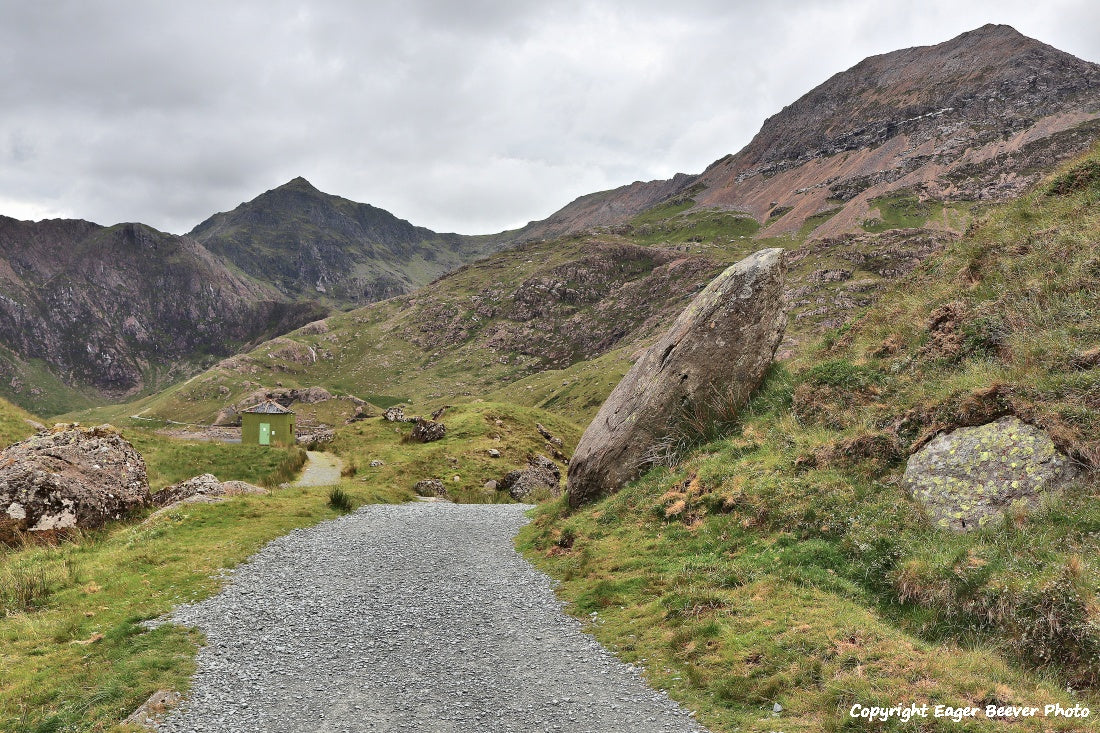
[[714, 356], [206, 484], [394, 414], [541, 473], [971, 476], [69, 477], [430, 487], [427, 431]]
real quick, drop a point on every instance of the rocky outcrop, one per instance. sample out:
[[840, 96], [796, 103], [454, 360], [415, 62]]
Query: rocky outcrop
[[200, 487], [972, 476], [427, 431], [541, 475], [101, 305], [709, 362], [285, 396], [430, 487], [394, 414], [69, 477]]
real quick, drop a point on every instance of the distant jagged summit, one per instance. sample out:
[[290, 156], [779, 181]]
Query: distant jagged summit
[[310, 243], [993, 77], [977, 117]]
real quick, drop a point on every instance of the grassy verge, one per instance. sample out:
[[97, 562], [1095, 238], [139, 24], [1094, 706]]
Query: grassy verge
[[473, 430], [75, 658], [72, 655], [170, 461], [787, 564]]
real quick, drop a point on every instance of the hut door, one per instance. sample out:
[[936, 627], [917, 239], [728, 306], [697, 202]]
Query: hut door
[[265, 433]]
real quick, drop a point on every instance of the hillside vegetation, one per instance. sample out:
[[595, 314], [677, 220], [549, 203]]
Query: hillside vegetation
[[786, 562]]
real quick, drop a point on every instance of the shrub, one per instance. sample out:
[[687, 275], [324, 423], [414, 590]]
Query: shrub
[[340, 500]]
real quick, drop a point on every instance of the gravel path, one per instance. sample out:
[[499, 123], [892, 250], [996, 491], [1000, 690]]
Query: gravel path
[[322, 469], [419, 617]]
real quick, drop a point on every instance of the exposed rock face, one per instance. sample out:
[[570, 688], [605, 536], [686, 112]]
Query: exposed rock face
[[430, 487], [977, 117], [313, 244], [972, 476], [70, 477], [427, 431], [541, 473], [716, 352], [100, 305], [394, 414]]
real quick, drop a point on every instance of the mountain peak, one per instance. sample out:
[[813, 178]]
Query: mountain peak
[[298, 183]]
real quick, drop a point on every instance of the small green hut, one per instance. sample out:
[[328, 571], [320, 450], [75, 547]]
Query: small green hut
[[267, 423]]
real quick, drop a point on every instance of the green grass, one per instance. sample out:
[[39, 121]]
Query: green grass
[[13, 423], [709, 225], [472, 430], [901, 210], [170, 461], [786, 562], [75, 658]]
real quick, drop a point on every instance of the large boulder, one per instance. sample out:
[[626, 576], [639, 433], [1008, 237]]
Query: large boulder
[[709, 363], [69, 477], [971, 476], [541, 474]]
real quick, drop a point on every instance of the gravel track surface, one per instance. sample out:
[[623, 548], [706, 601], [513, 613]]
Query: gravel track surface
[[419, 617], [321, 469]]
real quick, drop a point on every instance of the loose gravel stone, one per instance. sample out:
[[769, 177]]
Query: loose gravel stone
[[419, 617]]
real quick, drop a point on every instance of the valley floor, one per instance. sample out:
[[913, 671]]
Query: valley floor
[[413, 617]]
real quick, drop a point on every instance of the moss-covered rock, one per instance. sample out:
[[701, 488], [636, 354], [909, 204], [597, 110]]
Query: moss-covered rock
[[971, 476]]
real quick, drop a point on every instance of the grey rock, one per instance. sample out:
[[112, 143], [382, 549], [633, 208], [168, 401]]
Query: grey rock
[[207, 484], [491, 485], [394, 414], [427, 431], [227, 416], [971, 476], [430, 487], [494, 453], [710, 362], [69, 477], [541, 473]]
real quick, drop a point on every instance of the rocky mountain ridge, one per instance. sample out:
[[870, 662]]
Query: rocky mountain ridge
[[976, 118], [117, 310], [315, 245]]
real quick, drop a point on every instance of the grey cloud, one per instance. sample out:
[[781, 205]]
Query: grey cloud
[[473, 116]]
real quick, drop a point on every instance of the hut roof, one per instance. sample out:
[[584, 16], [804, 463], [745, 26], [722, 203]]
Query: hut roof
[[270, 407]]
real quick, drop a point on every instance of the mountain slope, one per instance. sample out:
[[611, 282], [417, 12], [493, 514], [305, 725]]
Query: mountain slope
[[788, 561], [312, 244], [110, 311], [976, 118]]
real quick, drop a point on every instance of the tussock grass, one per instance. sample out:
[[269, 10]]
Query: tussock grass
[[785, 562], [340, 500], [74, 656]]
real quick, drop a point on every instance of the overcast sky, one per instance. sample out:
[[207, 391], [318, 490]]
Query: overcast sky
[[471, 116]]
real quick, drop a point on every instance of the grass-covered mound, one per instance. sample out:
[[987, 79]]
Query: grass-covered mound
[[786, 563], [473, 429]]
